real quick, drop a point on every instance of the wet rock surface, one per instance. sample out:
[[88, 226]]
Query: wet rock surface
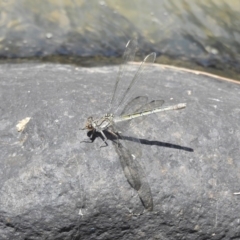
[[53, 186]]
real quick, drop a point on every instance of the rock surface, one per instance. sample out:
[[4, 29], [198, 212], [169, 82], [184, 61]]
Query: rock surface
[[55, 187]]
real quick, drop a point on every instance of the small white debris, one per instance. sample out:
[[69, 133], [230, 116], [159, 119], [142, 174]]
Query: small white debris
[[133, 156], [49, 35], [215, 99], [22, 124], [102, 3], [211, 50], [80, 212]]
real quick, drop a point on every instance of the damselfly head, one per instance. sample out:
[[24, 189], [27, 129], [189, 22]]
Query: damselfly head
[[88, 125]]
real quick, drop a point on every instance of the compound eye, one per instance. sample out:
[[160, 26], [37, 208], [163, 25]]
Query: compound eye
[[89, 126]]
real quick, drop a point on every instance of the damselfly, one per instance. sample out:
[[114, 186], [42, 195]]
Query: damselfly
[[122, 111]]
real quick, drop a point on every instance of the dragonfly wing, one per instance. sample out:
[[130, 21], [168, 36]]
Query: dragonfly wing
[[133, 106], [124, 87], [131, 89], [121, 81], [151, 105], [138, 104], [129, 152]]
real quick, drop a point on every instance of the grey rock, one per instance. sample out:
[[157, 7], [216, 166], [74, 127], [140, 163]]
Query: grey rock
[[55, 187]]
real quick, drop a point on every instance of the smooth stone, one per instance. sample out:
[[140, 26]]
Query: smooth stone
[[53, 186]]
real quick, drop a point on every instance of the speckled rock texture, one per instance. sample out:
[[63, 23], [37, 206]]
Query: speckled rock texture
[[53, 186]]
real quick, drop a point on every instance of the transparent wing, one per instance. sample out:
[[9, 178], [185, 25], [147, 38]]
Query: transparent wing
[[124, 88], [129, 155], [137, 105], [126, 95], [151, 105], [128, 55]]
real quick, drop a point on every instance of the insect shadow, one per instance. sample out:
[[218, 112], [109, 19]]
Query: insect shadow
[[114, 138]]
